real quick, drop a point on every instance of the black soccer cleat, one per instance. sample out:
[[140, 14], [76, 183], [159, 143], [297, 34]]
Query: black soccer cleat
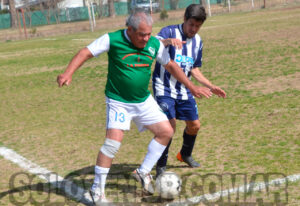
[[188, 160]]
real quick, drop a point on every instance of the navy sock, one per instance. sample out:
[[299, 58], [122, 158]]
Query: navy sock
[[188, 144], [162, 162]]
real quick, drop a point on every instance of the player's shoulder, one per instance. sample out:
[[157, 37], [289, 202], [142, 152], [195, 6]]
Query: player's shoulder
[[168, 31], [116, 33], [170, 27], [116, 37]]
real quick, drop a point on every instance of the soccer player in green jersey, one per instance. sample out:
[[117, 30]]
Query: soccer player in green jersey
[[131, 53]]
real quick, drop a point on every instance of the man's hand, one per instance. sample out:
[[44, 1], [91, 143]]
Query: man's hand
[[64, 79], [177, 43], [218, 91], [200, 92], [82, 56]]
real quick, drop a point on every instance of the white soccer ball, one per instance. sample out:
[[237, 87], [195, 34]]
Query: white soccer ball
[[168, 185]]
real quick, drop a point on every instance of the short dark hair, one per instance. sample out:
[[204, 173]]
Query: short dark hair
[[195, 11]]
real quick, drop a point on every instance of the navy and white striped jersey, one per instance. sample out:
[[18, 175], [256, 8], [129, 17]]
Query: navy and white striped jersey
[[189, 57]]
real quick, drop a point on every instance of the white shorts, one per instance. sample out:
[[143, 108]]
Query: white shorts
[[120, 114]]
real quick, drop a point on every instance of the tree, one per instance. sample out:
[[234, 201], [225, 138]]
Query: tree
[[13, 14], [100, 8], [111, 8], [162, 4], [174, 4], [49, 9], [27, 9], [53, 9]]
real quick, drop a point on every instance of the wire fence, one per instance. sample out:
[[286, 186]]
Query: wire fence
[[56, 16], [225, 6]]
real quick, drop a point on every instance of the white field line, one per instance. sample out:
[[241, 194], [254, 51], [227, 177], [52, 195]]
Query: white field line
[[253, 187], [81, 195], [71, 189]]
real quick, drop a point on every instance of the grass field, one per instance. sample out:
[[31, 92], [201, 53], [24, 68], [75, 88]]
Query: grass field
[[253, 56]]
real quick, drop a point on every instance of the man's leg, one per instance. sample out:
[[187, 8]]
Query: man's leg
[[163, 132], [104, 161], [167, 104], [189, 138], [162, 162]]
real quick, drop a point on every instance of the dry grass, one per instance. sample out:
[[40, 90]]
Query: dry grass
[[277, 84], [253, 130]]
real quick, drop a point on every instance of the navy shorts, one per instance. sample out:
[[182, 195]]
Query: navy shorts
[[179, 109]]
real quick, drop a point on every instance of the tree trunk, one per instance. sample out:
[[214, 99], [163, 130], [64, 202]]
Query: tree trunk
[[111, 8], [174, 4], [100, 7], [42, 9], [13, 16], [162, 5], [56, 10]]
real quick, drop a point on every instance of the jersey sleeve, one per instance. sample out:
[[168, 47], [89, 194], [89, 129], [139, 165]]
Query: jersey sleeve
[[163, 56], [100, 45], [164, 33], [198, 61]]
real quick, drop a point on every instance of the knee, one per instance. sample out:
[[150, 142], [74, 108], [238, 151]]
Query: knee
[[193, 128], [110, 147], [166, 133]]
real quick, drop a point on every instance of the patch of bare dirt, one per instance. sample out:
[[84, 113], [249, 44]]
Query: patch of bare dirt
[[277, 84]]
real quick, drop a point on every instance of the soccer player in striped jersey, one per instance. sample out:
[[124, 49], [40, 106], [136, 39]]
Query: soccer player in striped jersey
[[185, 48]]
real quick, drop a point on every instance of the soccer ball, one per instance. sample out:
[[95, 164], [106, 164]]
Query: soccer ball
[[168, 185]]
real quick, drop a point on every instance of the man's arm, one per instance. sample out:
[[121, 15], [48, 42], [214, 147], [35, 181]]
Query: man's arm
[[196, 73], [82, 56], [177, 72]]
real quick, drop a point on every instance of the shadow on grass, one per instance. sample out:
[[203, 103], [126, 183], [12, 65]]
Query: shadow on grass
[[120, 187]]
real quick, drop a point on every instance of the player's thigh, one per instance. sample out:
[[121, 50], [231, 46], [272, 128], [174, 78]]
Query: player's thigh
[[117, 115], [163, 131], [186, 110], [173, 124], [148, 113], [167, 104]]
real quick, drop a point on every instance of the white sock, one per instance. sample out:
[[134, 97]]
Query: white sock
[[155, 150], [100, 178]]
